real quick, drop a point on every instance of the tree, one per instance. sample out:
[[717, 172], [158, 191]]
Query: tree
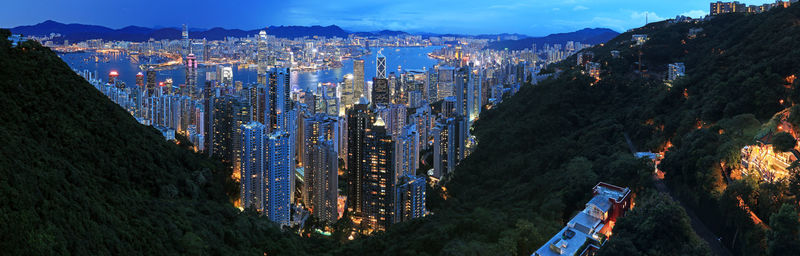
[[783, 238], [783, 142]]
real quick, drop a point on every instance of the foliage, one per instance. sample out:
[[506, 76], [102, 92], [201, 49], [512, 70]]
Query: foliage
[[784, 238], [657, 226], [783, 142]]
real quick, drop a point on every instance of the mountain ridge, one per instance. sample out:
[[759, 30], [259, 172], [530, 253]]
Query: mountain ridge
[[586, 35], [75, 32]]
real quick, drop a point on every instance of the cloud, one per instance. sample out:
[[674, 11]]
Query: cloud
[[580, 8], [695, 13], [650, 16], [556, 9]]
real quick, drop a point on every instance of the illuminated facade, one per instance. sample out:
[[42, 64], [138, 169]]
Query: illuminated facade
[[280, 177], [380, 91], [261, 58], [410, 198], [380, 66], [280, 101], [379, 178], [675, 70], [252, 168], [320, 162], [358, 78], [359, 121], [191, 77]]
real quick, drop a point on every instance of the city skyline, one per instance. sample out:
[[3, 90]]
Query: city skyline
[[532, 18]]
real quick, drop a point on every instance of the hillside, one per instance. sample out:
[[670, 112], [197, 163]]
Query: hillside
[[740, 72], [80, 176]]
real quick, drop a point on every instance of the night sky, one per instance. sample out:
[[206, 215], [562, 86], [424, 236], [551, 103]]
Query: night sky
[[531, 17]]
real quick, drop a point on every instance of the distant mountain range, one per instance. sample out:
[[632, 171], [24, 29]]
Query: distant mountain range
[[81, 32], [587, 36]]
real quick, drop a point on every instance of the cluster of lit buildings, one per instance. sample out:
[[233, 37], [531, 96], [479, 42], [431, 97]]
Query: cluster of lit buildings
[[291, 149], [735, 6]]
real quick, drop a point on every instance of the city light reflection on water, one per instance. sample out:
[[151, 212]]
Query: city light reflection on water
[[405, 57]]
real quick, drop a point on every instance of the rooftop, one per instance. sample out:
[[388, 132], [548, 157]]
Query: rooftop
[[565, 242]]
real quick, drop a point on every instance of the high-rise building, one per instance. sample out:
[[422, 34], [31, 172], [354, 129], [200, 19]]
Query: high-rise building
[[380, 91], [185, 40], [459, 135], [253, 166], [379, 178], [348, 98], [380, 66], [464, 91], [191, 77], [280, 176], [358, 78], [225, 75], [440, 148], [262, 57], [151, 81], [477, 93], [140, 80], [410, 198], [445, 82], [112, 77], [407, 151], [279, 98], [206, 52], [359, 120], [229, 115], [321, 167]]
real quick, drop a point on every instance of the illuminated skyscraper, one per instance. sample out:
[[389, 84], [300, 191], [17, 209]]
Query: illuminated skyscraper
[[359, 120], [112, 77], [185, 40], [279, 187], [151, 81], [191, 77], [348, 97], [320, 164], [225, 75], [464, 92], [440, 149], [381, 66], [445, 82], [262, 57], [140, 80], [279, 98], [358, 78], [379, 178], [380, 91], [253, 166], [228, 117]]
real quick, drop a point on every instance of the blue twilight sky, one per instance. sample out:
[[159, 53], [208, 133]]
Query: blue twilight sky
[[531, 17]]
